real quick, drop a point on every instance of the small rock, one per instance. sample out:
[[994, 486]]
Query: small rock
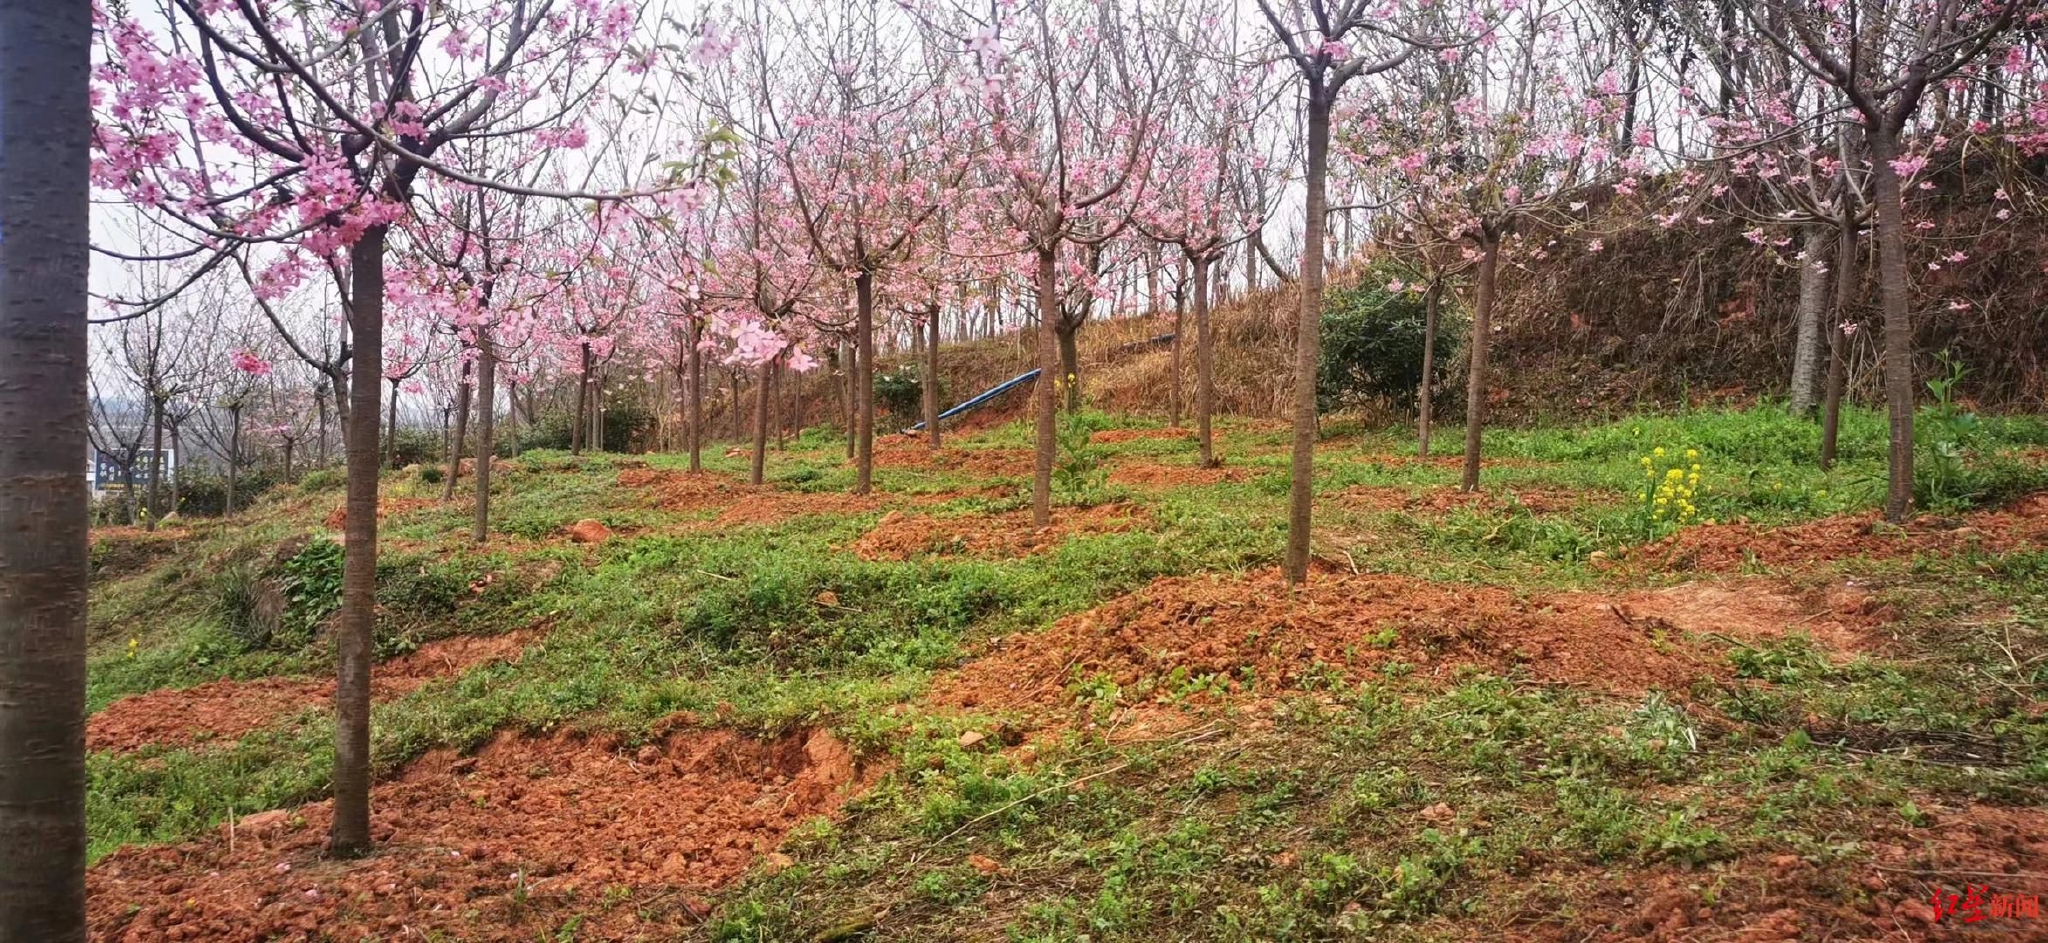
[[589, 531], [969, 739], [1439, 813], [263, 822], [1786, 862], [984, 864], [828, 599], [776, 862]]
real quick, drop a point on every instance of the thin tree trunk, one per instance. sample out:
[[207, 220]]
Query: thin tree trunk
[[1070, 365], [1045, 280], [1482, 332], [234, 454], [512, 416], [1813, 286], [357, 626], [391, 429], [1838, 343], [931, 376], [156, 462], [776, 413], [320, 444], [582, 397], [1180, 297], [1898, 326], [1430, 303], [1308, 337], [864, 382], [177, 453], [289, 478], [846, 421], [486, 444], [456, 445], [696, 397], [1205, 365], [45, 123], [1251, 263], [762, 396], [737, 436]]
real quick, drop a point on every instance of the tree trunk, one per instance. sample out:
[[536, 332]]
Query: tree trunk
[[738, 435], [320, 443], [289, 478], [1070, 365], [931, 376], [1045, 280], [1898, 326], [1308, 337], [762, 396], [777, 415], [1251, 262], [1482, 333], [486, 420], [1813, 286], [455, 445], [864, 382], [846, 420], [357, 626], [391, 429], [156, 462], [582, 398], [1205, 365], [234, 455], [44, 127], [1430, 303], [1838, 343], [177, 453], [696, 397], [1180, 296], [596, 440]]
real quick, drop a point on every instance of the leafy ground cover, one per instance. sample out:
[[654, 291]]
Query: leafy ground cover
[[1547, 711]]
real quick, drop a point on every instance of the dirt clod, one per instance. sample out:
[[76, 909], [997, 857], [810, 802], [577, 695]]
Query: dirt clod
[[597, 834]]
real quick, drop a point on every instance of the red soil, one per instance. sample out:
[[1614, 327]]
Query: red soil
[[774, 507], [684, 491], [1113, 436], [1444, 499], [899, 536], [905, 452], [1207, 625], [338, 518], [1725, 547], [1157, 475], [225, 711], [2002, 851], [503, 845]]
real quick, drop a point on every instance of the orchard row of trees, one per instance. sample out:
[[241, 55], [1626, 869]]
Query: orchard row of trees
[[329, 206]]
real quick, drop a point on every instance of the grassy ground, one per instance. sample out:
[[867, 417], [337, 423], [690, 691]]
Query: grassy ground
[[1395, 803]]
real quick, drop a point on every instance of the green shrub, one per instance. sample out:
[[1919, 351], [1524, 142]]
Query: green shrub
[[417, 447], [312, 589], [900, 392], [1372, 344], [324, 479], [628, 427], [205, 494]]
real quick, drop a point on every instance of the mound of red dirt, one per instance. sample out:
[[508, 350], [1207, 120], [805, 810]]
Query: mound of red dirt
[[774, 507], [1255, 628], [1113, 436], [1158, 475], [906, 452], [225, 711], [684, 491], [1726, 547], [503, 845], [899, 536]]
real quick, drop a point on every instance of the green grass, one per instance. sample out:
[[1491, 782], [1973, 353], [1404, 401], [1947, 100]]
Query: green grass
[[1396, 808]]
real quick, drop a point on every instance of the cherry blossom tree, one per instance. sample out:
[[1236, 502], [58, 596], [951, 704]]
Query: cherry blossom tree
[[305, 132], [1884, 58]]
